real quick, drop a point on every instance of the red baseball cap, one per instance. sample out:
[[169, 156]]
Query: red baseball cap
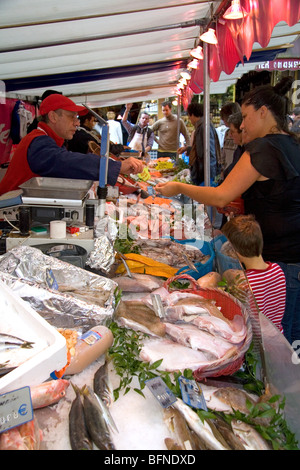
[[57, 101]]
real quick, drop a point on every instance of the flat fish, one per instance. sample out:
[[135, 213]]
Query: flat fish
[[175, 356], [140, 313], [138, 283], [213, 347], [193, 301], [234, 332]]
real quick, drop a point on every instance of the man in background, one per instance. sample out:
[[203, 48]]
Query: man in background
[[167, 129], [196, 151], [140, 136]]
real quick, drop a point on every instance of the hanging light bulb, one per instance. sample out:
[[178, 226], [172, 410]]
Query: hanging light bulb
[[183, 80], [185, 75], [193, 64], [197, 53], [209, 36], [235, 11]]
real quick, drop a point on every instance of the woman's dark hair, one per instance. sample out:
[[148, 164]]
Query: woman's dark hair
[[273, 97]]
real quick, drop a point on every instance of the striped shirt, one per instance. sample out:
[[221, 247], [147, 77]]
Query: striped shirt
[[269, 289]]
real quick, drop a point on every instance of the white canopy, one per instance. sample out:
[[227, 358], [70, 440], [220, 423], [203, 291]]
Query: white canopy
[[102, 52]]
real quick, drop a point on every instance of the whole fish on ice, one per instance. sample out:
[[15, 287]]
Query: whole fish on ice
[[250, 438], [141, 314], [78, 433], [96, 418], [48, 392], [227, 399], [138, 282], [11, 342], [175, 356], [213, 347], [201, 428], [235, 332]]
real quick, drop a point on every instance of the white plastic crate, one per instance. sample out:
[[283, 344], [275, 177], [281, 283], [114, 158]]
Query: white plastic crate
[[48, 353]]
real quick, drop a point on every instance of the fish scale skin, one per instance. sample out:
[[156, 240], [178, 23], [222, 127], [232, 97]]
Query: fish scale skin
[[79, 438], [96, 426]]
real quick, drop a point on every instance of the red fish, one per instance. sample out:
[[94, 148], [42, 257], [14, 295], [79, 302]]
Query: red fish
[[48, 393]]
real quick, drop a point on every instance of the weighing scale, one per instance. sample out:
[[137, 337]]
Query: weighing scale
[[55, 199]]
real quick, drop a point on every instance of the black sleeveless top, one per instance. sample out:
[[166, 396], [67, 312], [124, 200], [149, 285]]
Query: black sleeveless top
[[276, 201]]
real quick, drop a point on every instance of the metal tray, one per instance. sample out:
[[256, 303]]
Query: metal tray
[[56, 188]]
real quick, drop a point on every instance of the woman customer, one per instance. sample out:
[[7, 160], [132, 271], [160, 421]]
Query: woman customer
[[267, 176]]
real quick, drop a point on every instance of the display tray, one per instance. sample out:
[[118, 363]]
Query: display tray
[[32, 365], [56, 188]]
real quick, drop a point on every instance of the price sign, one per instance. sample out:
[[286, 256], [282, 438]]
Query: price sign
[[15, 408]]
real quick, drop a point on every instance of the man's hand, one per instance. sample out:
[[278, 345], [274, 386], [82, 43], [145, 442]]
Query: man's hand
[[131, 165]]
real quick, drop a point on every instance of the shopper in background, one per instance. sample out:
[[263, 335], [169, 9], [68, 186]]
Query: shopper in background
[[267, 176], [235, 131], [115, 128], [84, 134], [42, 152], [140, 136], [295, 127], [266, 279], [168, 139], [196, 151], [229, 145]]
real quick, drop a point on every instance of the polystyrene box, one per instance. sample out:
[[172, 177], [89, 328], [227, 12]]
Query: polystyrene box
[[49, 351]]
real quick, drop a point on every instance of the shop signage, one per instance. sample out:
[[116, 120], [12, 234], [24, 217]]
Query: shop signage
[[280, 64]]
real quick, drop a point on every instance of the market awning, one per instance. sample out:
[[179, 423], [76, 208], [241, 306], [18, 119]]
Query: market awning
[[106, 53]]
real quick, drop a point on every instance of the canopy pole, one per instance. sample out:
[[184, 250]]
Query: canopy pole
[[206, 123], [206, 115], [178, 124]]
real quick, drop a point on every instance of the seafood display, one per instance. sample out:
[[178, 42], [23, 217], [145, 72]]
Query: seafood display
[[192, 331], [161, 328]]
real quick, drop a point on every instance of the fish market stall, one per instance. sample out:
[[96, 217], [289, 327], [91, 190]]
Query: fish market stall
[[183, 337]]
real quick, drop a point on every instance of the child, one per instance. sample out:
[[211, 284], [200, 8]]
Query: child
[[266, 279]]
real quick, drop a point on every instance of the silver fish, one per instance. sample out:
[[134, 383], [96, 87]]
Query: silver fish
[[201, 428], [9, 341], [101, 384], [250, 438]]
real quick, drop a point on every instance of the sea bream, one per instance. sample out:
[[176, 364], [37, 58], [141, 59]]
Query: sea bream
[[250, 438], [227, 399]]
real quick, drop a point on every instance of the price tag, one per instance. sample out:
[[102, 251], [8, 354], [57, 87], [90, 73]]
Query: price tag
[[50, 279], [191, 393], [161, 392], [15, 408]]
